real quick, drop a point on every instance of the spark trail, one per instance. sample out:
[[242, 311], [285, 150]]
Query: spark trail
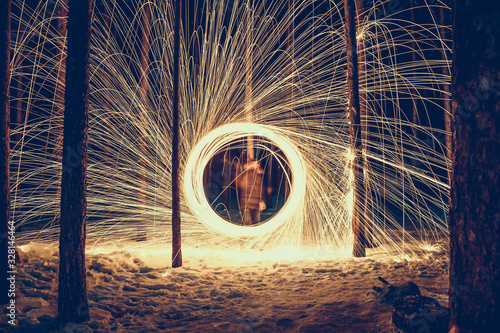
[[299, 93]]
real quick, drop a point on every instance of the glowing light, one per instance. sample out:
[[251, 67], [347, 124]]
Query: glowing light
[[299, 97], [350, 155], [211, 144]]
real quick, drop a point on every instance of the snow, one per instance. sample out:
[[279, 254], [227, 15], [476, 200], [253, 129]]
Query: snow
[[289, 290]]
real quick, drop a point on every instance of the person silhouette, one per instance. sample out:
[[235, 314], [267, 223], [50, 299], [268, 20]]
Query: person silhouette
[[249, 181]]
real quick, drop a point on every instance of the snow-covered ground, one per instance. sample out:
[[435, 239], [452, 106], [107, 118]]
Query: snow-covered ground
[[224, 291]]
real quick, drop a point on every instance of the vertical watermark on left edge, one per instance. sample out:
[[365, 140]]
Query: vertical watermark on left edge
[[11, 273]]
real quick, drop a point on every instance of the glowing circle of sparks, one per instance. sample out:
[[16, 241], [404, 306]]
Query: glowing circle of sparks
[[210, 145]]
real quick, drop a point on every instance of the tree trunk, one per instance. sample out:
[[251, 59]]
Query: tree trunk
[[474, 199], [72, 298], [248, 77], [414, 112], [16, 115], [108, 114], [291, 53], [363, 112], [109, 14], [18, 122], [62, 29], [176, 209], [5, 226], [146, 27], [446, 98], [358, 227], [142, 197]]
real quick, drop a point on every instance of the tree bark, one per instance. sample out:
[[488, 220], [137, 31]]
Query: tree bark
[[72, 298], [363, 113], [146, 27], [176, 209], [248, 77], [290, 43], [18, 122], [109, 14], [108, 113], [474, 199], [145, 45], [5, 6], [62, 29], [358, 226], [414, 112], [446, 97]]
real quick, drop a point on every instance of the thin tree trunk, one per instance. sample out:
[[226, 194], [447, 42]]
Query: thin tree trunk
[[108, 21], [290, 43], [62, 28], [72, 298], [193, 5], [5, 226], [106, 83], [446, 98], [19, 106], [415, 104], [248, 77], [363, 112], [18, 115], [176, 209], [291, 50], [414, 59], [475, 189], [146, 27], [358, 226]]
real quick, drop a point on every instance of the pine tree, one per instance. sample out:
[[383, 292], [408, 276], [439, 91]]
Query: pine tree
[[176, 206], [475, 189], [72, 298], [4, 147], [355, 131]]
